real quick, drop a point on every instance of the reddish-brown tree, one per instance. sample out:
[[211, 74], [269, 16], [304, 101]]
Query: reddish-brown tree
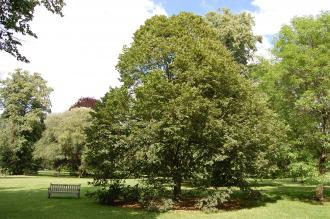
[[88, 102]]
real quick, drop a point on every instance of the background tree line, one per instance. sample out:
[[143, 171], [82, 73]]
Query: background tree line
[[31, 140]]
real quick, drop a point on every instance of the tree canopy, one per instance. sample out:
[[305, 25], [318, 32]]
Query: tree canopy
[[297, 83], [25, 101], [88, 102], [184, 112], [15, 17], [303, 82], [235, 33], [63, 143]]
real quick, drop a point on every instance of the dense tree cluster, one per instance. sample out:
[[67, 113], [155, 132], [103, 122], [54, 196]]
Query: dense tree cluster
[[29, 139], [63, 143], [298, 85], [25, 102], [303, 83]]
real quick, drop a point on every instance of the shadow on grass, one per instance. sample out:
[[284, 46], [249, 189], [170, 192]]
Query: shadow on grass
[[35, 204], [298, 193], [265, 183], [16, 177], [9, 188], [268, 195]]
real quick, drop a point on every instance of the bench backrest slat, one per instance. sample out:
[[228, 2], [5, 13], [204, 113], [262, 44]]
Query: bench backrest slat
[[64, 187]]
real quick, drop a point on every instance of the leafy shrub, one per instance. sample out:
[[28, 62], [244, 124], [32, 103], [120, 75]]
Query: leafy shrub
[[131, 193], [152, 192], [150, 198], [301, 169], [157, 205], [315, 179], [116, 192], [212, 202], [252, 194], [107, 195], [153, 198]]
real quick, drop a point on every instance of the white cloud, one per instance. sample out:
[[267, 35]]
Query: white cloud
[[264, 48], [271, 15], [77, 54]]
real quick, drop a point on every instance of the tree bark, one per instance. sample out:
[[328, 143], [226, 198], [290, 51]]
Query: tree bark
[[177, 187], [323, 154], [319, 192], [322, 163]]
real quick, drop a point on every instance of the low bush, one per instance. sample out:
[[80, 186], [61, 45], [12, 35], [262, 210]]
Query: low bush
[[116, 193], [301, 170], [150, 198], [212, 202], [157, 205], [153, 198]]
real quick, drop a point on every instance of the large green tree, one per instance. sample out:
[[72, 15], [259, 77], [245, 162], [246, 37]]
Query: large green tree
[[183, 112], [15, 18], [302, 83], [63, 143], [25, 102], [297, 84]]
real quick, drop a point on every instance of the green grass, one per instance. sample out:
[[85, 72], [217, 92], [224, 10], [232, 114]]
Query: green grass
[[26, 197]]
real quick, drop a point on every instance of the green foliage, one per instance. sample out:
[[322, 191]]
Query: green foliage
[[153, 198], [212, 202], [182, 111], [160, 205], [235, 33], [63, 143], [25, 102], [302, 84], [15, 17], [116, 193], [297, 84], [316, 179], [108, 155], [301, 166], [106, 196]]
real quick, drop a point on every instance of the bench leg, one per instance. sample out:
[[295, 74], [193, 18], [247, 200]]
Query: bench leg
[[48, 195]]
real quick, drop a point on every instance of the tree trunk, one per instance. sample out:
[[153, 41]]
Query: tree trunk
[[177, 187], [319, 192], [322, 163], [323, 152]]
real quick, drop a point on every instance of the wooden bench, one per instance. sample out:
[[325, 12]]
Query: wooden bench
[[72, 189]]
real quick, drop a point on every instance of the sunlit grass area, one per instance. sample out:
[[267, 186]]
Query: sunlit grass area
[[26, 197]]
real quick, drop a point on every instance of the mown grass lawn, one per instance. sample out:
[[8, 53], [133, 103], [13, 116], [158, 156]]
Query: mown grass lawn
[[26, 197]]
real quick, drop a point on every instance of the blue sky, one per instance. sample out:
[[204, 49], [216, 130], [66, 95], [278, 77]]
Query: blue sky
[[202, 6]]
